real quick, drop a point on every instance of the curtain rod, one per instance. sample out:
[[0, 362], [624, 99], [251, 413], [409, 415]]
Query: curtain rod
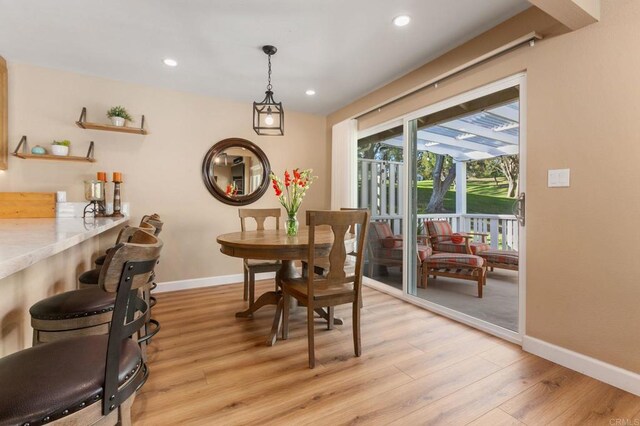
[[529, 39]]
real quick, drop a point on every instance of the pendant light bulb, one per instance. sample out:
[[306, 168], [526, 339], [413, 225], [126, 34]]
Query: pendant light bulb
[[268, 120]]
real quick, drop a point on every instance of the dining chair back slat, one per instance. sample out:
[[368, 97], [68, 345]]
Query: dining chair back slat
[[260, 216]]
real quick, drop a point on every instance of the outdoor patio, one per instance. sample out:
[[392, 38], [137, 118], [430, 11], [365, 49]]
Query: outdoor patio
[[499, 304]]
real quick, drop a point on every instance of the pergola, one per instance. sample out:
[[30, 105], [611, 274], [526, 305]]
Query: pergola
[[489, 133]]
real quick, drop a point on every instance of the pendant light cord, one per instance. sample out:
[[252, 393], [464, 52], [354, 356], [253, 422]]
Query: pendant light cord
[[269, 84]]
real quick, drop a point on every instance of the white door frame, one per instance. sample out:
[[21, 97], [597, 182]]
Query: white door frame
[[514, 80]]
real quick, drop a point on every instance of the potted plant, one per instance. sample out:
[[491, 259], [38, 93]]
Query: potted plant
[[118, 115], [60, 147]]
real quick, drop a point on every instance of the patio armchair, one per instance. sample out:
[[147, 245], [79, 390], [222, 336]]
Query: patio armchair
[[385, 249], [443, 239]]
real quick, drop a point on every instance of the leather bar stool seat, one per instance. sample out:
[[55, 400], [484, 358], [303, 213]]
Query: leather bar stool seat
[[100, 260], [47, 382], [89, 278], [85, 311]]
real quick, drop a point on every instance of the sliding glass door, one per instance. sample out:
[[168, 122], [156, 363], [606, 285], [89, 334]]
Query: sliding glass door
[[380, 176], [465, 161], [453, 169]]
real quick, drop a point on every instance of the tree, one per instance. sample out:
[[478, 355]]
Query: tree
[[510, 167], [444, 174], [379, 151]]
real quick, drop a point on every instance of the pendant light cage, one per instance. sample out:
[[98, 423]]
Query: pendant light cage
[[268, 115]]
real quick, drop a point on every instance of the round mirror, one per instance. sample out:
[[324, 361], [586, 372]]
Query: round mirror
[[236, 171]]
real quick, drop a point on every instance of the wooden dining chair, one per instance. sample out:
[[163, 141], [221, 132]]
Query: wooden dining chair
[[322, 264], [251, 267], [336, 287]]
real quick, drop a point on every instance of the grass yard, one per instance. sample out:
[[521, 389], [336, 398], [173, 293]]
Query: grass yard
[[482, 197]]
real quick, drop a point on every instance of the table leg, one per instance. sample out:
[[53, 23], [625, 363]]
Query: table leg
[[287, 270], [277, 323], [268, 298]]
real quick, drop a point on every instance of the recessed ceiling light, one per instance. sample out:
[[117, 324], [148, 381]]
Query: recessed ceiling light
[[170, 62], [401, 21], [310, 92]]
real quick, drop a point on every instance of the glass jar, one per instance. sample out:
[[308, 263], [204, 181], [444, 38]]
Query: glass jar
[[291, 225], [94, 190]]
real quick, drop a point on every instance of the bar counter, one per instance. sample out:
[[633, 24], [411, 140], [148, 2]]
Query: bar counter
[[40, 258], [24, 242]]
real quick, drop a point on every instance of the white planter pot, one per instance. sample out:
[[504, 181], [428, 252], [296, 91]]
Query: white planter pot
[[117, 121], [60, 150]]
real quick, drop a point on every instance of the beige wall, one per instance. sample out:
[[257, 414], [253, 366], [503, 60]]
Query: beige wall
[[583, 108], [161, 170]]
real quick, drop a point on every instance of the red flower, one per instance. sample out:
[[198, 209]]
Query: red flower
[[296, 174], [287, 178], [302, 183], [229, 190]]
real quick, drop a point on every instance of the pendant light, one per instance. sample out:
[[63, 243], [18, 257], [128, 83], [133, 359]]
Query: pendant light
[[268, 115]]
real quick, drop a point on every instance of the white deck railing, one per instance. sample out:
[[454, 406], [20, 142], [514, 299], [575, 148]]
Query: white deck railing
[[380, 191], [502, 229]]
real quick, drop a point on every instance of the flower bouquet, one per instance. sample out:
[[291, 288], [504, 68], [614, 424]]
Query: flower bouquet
[[232, 190], [290, 193]]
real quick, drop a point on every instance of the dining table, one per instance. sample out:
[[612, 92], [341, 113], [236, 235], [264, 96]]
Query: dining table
[[275, 244]]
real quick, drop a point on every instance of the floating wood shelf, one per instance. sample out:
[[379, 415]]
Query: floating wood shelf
[[25, 155], [83, 123], [54, 157]]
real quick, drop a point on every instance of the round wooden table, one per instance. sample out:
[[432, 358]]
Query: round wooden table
[[274, 244]]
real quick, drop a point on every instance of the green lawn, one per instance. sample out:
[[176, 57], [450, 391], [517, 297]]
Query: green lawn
[[482, 197]]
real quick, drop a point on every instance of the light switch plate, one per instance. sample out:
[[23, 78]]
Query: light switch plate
[[558, 178]]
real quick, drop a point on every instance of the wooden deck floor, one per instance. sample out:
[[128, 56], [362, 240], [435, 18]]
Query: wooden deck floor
[[209, 368]]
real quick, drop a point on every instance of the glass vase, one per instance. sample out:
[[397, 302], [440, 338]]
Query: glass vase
[[291, 225]]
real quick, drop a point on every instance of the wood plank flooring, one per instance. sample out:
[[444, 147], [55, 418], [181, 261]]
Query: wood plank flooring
[[210, 368]]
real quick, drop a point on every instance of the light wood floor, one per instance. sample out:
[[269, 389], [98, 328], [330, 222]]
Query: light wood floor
[[209, 368]]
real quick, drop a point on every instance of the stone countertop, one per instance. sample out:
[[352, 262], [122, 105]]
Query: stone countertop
[[24, 242]]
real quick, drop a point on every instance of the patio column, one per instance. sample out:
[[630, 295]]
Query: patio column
[[461, 194], [461, 190]]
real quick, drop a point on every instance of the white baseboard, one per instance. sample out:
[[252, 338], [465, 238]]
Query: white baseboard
[[207, 282], [615, 376]]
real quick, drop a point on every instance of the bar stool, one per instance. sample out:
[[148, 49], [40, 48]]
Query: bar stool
[[86, 311], [147, 221], [90, 277], [88, 379]]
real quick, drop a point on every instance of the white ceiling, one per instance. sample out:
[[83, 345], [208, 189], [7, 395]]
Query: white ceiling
[[341, 48]]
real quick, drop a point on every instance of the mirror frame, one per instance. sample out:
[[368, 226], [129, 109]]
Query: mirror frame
[[214, 189]]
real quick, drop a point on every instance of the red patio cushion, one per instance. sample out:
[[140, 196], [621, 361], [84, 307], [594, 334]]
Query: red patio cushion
[[391, 242]]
